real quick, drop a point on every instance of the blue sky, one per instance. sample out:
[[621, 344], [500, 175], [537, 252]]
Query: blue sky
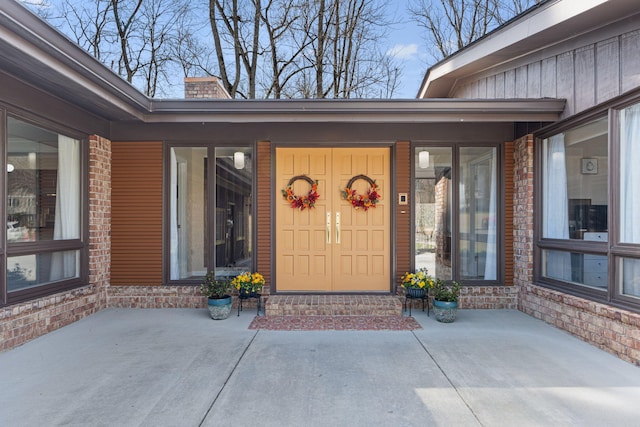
[[405, 42], [407, 45]]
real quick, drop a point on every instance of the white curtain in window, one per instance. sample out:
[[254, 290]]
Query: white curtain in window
[[67, 215], [555, 220], [173, 218], [629, 191], [490, 267]]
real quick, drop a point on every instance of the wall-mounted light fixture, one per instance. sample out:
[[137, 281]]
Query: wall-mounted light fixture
[[10, 167], [238, 160], [423, 159]]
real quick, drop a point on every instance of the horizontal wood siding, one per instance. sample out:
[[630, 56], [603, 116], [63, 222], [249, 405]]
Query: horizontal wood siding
[[136, 227], [509, 171], [263, 210], [403, 212]]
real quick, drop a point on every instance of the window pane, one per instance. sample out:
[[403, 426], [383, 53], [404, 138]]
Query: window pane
[[27, 271], [43, 184], [433, 210], [582, 269], [575, 182], [630, 174], [188, 212], [233, 210], [478, 203], [630, 276]]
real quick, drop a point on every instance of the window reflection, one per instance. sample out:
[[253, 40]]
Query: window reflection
[[233, 250], [433, 211], [43, 184], [575, 182], [188, 215], [478, 202]]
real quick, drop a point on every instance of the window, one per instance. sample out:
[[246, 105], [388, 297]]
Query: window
[[589, 237], [433, 210], [456, 212], [44, 214], [209, 225], [478, 209], [575, 204], [628, 245]]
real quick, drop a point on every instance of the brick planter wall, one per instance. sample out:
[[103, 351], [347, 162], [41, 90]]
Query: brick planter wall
[[23, 322], [614, 330], [156, 297], [488, 297]]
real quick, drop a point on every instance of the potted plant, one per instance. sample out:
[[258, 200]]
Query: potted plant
[[445, 300], [248, 284], [417, 284], [217, 291]]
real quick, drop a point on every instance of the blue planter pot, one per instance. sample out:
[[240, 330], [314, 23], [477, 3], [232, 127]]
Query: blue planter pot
[[445, 311], [219, 309]]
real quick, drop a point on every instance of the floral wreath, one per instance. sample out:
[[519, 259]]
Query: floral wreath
[[303, 202], [361, 201]]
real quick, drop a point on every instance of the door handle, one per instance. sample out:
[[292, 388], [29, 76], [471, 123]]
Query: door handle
[[338, 228], [328, 228]]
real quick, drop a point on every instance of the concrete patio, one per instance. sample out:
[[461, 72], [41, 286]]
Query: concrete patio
[[176, 367]]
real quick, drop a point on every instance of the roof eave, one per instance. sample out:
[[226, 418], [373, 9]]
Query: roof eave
[[26, 37], [550, 23], [355, 111]]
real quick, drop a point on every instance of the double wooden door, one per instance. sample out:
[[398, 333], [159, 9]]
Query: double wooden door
[[333, 247]]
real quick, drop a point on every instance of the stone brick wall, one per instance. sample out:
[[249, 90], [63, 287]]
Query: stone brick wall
[[614, 330], [100, 215], [523, 211], [488, 297], [22, 322], [156, 297]]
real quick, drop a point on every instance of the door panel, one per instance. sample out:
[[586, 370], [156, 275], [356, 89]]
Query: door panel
[[302, 257], [333, 247], [361, 260]]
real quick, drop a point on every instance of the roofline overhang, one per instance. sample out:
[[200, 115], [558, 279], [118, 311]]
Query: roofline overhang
[[549, 23], [34, 41], [355, 111], [33, 37]]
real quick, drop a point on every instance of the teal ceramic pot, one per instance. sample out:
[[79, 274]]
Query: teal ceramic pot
[[445, 311], [219, 309]]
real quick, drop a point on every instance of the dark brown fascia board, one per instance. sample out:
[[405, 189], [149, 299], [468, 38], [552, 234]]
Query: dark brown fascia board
[[355, 111], [33, 37]]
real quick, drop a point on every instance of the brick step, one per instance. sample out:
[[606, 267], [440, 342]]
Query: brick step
[[333, 305]]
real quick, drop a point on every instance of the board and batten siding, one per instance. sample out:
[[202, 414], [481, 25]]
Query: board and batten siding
[[585, 76], [136, 229]]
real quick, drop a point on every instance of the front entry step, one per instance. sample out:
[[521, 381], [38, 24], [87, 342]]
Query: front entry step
[[333, 305]]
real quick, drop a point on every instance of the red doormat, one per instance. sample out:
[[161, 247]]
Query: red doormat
[[335, 323]]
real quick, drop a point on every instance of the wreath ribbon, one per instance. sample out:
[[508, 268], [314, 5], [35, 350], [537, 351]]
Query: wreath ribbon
[[301, 202], [364, 201]]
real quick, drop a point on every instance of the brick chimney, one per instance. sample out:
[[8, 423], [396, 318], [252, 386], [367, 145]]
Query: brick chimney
[[204, 88]]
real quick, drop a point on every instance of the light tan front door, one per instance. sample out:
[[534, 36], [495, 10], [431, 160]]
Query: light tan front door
[[333, 247]]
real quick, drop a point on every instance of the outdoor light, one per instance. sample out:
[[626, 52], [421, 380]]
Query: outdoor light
[[238, 160], [423, 159], [10, 167]]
